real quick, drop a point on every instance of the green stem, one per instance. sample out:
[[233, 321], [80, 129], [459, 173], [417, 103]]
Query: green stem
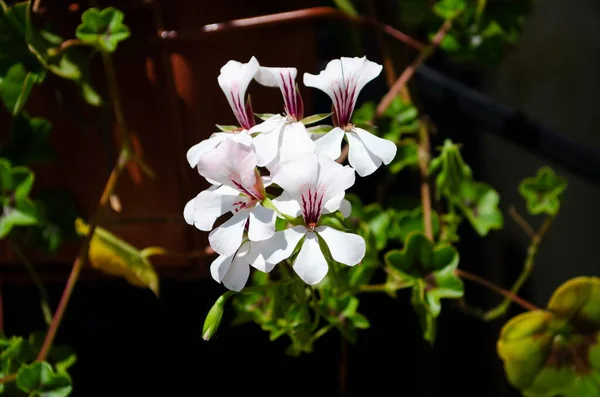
[[480, 8], [315, 300], [46, 310], [528, 266]]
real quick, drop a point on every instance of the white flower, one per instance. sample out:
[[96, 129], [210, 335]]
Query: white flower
[[282, 138], [233, 80], [233, 165], [233, 270], [316, 185], [342, 80]]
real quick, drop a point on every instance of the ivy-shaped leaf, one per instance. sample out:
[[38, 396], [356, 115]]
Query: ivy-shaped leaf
[[407, 155], [103, 28], [543, 192], [479, 203], [556, 352], [407, 222], [430, 271], [40, 380], [16, 82], [451, 170], [449, 9], [17, 208], [110, 254]]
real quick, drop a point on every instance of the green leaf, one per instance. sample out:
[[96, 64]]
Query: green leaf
[[378, 221], [29, 141], [12, 32], [543, 192], [452, 170], [264, 116], [39, 379], [479, 203], [16, 82], [347, 7], [430, 270], [407, 155], [17, 208], [365, 113], [315, 118], [320, 129], [112, 255], [556, 351], [406, 222], [449, 9], [227, 128], [102, 28]]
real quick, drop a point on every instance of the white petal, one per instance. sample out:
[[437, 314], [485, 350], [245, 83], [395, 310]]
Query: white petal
[[242, 137], [231, 163], [335, 177], [227, 238], [257, 260], [209, 205], [288, 205], [310, 264], [237, 275], [346, 248], [295, 142], [219, 267], [285, 79], [330, 144], [266, 145], [188, 212], [296, 174], [334, 203], [342, 80], [273, 123], [261, 223], [361, 159], [194, 153], [281, 245], [346, 208], [234, 80], [382, 148]]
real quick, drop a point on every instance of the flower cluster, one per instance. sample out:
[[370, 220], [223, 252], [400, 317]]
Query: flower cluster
[[281, 154]]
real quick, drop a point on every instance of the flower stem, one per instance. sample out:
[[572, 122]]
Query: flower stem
[[315, 300], [528, 266], [46, 310], [499, 290], [424, 158], [82, 257]]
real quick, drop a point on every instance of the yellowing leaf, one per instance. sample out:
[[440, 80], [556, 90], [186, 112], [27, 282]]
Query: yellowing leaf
[[112, 255]]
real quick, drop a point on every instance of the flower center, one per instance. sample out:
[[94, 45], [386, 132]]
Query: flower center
[[312, 206], [243, 205], [343, 101]]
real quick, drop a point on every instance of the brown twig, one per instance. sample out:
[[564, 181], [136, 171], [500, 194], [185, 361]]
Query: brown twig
[[424, 157], [412, 68], [519, 220], [290, 16], [499, 290], [8, 379], [528, 266]]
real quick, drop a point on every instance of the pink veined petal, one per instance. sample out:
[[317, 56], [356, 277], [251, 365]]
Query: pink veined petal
[[261, 224], [342, 80], [382, 148], [237, 275], [232, 164], [281, 245], [359, 157], [295, 142], [227, 238], [334, 177], [310, 264], [330, 144], [285, 79], [346, 248], [296, 175], [234, 80]]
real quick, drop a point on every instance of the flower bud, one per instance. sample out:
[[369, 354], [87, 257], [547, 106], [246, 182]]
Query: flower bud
[[214, 316]]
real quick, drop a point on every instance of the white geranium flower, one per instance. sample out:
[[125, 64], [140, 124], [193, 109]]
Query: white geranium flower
[[282, 138], [233, 165], [233, 80], [316, 184], [233, 270], [342, 80]]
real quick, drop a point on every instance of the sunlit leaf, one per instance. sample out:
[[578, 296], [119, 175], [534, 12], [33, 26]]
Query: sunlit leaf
[[314, 118], [112, 255], [556, 352]]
